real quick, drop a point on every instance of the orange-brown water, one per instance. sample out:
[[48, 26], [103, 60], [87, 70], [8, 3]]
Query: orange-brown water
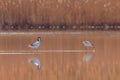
[[105, 64]]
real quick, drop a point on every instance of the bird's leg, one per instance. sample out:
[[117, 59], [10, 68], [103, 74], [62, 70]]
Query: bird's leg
[[86, 50], [37, 50]]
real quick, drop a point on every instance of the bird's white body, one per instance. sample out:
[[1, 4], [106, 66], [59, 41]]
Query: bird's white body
[[35, 44], [87, 44]]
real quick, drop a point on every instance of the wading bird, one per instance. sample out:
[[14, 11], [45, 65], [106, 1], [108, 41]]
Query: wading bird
[[35, 44], [87, 57]]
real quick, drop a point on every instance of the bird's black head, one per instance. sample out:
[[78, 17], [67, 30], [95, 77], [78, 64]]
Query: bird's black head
[[38, 39]]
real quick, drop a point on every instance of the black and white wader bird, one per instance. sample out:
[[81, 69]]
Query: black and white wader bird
[[87, 57], [35, 44]]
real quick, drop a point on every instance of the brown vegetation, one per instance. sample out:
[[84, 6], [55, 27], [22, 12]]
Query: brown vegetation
[[56, 12]]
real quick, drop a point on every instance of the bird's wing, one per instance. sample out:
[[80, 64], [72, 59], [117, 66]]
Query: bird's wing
[[35, 43], [87, 43]]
